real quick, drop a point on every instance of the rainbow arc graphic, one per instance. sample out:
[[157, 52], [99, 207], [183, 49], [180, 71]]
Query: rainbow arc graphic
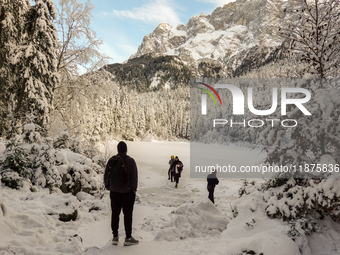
[[209, 93]]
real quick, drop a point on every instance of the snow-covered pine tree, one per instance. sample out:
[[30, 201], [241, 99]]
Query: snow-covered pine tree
[[140, 121], [11, 35], [150, 118], [36, 59]]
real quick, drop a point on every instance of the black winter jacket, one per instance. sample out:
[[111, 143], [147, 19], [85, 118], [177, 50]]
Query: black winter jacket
[[212, 181], [173, 165]]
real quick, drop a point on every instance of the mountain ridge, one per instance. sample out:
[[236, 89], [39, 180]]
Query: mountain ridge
[[230, 32], [233, 40]]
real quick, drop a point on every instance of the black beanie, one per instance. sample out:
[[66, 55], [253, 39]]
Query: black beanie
[[122, 147]]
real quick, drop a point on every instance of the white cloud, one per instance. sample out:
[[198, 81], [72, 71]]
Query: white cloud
[[153, 12], [217, 3], [123, 52]]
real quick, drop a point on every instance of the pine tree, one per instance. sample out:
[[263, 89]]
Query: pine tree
[[36, 59], [11, 35]]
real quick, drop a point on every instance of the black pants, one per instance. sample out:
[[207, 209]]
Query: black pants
[[123, 201], [211, 194], [171, 175], [177, 178]]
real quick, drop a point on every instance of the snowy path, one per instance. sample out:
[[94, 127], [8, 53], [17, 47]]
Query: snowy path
[[166, 220], [157, 199]]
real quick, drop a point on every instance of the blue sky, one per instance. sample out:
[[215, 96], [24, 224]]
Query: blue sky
[[123, 24]]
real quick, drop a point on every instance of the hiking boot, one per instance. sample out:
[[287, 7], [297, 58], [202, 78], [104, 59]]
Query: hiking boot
[[115, 241], [176, 185], [130, 241]]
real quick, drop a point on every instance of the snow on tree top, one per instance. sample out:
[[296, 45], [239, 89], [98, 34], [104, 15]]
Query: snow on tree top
[[30, 127]]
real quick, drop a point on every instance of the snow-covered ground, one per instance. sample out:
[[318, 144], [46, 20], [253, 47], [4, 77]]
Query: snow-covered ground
[[166, 220]]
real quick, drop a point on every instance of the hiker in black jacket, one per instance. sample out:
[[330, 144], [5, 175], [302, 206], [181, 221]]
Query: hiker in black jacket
[[212, 182], [177, 168], [122, 192]]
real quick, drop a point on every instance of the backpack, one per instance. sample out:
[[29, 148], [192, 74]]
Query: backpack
[[118, 174]]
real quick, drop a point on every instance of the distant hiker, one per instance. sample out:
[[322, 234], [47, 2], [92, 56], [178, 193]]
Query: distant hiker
[[121, 177], [177, 168], [212, 182], [170, 172]]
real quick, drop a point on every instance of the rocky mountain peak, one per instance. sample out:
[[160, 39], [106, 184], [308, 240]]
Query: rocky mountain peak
[[162, 28], [231, 35]]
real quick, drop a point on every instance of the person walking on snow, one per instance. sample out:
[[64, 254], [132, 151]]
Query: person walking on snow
[[121, 178], [177, 168], [212, 182], [170, 172]]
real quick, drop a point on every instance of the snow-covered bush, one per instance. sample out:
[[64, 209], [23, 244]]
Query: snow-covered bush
[[32, 161], [17, 165], [64, 141], [81, 174], [299, 203], [303, 199], [45, 171], [252, 232]]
